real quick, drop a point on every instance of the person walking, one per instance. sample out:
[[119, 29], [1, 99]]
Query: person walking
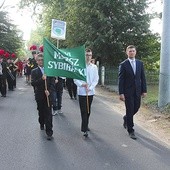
[[132, 85], [42, 95], [86, 91], [59, 93], [72, 88], [3, 77], [27, 71], [10, 74]]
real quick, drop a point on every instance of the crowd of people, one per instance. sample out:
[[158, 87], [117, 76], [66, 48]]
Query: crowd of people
[[49, 90], [11, 68]]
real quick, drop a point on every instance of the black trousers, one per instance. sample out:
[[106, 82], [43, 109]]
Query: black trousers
[[84, 111], [132, 104], [10, 83], [3, 86], [45, 116], [72, 89]]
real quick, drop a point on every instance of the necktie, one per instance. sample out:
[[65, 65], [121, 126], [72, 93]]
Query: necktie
[[133, 66]]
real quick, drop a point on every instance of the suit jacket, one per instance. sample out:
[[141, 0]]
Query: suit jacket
[[130, 83], [39, 84]]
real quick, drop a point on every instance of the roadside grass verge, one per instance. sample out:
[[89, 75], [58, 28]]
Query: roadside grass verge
[[151, 100]]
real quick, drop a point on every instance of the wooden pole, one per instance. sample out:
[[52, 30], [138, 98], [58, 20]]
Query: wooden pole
[[87, 100], [57, 43], [48, 103]]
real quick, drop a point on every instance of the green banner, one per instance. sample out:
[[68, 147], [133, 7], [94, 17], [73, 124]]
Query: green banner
[[68, 63]]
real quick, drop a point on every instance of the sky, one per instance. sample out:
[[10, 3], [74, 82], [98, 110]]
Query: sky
[[20, 18], [26, 24], [156, 24]]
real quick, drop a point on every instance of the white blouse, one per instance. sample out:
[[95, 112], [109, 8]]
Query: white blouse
[[92, 80]]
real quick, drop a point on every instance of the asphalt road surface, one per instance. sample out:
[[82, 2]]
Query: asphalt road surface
[[23, 146]]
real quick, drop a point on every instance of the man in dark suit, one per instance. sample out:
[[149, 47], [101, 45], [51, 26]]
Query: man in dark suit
[[132, 85], [42, 95]]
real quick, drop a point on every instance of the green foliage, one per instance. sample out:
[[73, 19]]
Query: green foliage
[[152, 96], [36, 37], [106, 26], [11, 38]]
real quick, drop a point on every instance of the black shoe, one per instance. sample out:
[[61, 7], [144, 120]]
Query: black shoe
[[124, 122], [42, 127], [124, 125], [85, 134], [132, 135], [49, 137]]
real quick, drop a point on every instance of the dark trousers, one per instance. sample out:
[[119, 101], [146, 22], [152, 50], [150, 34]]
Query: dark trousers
[[59, 94], [54, 98], [45, 115], [14, 81], [84, 111], [132, 104], [3, 85], [10, 83], [72, 90], [57, 99]]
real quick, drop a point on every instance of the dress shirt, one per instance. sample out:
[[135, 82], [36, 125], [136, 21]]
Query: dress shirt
[[92, 80], [42, 70], [133, 64]]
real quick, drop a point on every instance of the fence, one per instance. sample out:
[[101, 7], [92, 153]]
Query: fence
[[111, 76]]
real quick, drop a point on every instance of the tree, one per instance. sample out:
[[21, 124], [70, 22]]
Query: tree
[[36, 37], [10, 36], [106, 26]]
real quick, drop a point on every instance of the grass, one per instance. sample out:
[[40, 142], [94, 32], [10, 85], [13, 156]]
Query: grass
[[152, 99], [152, 95]]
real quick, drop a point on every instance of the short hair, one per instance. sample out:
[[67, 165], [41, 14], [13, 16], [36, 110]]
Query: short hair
[[40, 55], [33, 52], [130, 46], [88, 50]]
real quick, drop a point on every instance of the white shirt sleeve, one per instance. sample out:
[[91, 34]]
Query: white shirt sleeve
[[78, 82], [95, 78]]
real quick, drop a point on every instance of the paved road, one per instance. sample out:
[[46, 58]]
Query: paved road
[[23, 146]]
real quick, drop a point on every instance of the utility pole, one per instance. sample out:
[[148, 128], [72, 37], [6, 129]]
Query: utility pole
[[164, 76]]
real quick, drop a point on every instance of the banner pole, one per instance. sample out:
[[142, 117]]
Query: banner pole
[[48, 103], [57, 43], [87, 99]]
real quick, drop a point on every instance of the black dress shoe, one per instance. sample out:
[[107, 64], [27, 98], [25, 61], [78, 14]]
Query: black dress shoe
[[124, 125], [85, 134], [124, 122], [132, 135], [49, 137], [42, 127]]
